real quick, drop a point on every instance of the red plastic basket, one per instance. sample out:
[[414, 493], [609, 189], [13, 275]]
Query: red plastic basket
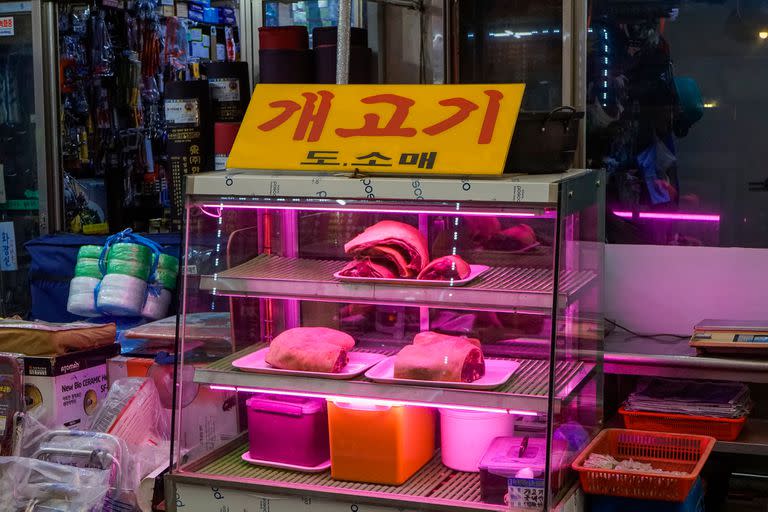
[[723, 429], [670, 452]]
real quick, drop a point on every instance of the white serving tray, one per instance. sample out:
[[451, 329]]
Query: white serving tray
[[474, 272], [497, 373], [358, 363], [280, 465]]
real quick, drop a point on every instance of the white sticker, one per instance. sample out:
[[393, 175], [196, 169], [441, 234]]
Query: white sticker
[[2, 184], [191, 270], [7, 247], [183, 111], [225, 89], [220, 162], [6, 26]]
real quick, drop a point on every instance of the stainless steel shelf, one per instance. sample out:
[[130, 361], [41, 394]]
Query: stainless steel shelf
[[509, 188], [752, 441], [501, 288], [434, 487], [526, 392], [647, 357]]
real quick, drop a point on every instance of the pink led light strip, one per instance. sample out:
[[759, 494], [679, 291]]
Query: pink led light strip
[[331, 208], [694, 217], [371, 401]]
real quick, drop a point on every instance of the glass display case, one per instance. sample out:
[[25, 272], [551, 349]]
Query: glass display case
[[345, 372]]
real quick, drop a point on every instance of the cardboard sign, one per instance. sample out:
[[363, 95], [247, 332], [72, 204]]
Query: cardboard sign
[[423, 129]]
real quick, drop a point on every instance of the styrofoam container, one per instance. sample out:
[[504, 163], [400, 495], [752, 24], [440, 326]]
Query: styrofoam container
[[288, 429], [466, 435]]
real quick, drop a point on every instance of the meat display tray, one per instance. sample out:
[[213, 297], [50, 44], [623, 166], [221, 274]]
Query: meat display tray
[[497, 373], [475, 272], [527, 391], [358, 363], [499, 288]]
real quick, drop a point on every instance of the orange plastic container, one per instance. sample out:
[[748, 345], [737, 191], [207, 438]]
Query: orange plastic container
[[381, 445], [669, 452], [722, 429]]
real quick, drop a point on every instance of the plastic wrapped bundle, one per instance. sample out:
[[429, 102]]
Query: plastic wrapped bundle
[[89, 252], [88, 267], [81, 299], [130, 260], [121, 295], [157, 304]]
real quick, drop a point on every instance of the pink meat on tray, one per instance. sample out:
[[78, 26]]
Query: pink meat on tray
[[310, 349], [366, 267], [395, 245], [439, 357], [445, 269]]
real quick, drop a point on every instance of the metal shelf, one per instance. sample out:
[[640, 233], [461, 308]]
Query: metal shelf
[[508, 188], [433, 486], [647, 357], [752, 441], [526, 392], [501, 288]]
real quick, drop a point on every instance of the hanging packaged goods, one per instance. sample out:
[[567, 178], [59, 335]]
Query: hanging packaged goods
[[118, 59]]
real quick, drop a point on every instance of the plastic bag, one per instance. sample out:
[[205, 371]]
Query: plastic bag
[[25, 482]]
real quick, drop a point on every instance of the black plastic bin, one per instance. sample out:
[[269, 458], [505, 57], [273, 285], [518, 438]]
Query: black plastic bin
[[544, 142]]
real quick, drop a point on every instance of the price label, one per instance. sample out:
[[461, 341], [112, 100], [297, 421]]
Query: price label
[[526, 493]]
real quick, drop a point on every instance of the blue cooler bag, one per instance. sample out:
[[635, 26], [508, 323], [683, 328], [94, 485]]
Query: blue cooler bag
[[52, 267]]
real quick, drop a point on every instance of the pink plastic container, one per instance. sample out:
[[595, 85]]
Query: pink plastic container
[[289, 430]]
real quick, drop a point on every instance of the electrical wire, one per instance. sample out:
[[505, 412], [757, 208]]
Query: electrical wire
[[658, 337]]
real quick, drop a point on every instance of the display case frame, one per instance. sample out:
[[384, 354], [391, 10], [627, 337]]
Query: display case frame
[[553, 396]]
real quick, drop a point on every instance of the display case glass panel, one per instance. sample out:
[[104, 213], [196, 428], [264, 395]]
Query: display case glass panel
[[514, 349]]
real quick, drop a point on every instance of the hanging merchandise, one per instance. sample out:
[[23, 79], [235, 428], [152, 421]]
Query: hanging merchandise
[[230, 90], [190, 133]]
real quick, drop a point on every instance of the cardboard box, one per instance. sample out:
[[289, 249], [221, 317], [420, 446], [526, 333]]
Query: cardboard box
[[68, 387]]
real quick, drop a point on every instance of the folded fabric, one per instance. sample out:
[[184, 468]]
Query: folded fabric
[[446, 269], [43, 338], [439, 357], [311, 349], [395, 243]]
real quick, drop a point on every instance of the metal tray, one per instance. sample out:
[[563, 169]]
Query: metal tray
[[497, 373], [475, 272], [358, 363]]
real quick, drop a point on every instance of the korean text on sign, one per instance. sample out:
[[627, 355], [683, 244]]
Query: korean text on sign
[[419, 128]]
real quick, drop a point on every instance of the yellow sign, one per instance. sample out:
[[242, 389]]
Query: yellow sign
[[425, 129]]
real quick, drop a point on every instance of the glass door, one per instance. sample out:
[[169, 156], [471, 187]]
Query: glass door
[[23, 206], [513, 41]]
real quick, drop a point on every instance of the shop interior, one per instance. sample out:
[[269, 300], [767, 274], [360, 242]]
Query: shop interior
[[227, 282]]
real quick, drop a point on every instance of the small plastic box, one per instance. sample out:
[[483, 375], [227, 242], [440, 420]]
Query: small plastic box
[[287, 429], [507, 465], [381, 445]]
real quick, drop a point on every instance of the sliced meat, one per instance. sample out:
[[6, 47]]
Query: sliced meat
[[366, 267], [445, 269], [400, 243], [312, 349], [439, 357]]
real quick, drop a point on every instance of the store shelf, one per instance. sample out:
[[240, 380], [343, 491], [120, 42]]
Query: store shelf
[[526, 392], [648, 357], [241, 185], [500, 288], [752, 441], [434, 485]]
